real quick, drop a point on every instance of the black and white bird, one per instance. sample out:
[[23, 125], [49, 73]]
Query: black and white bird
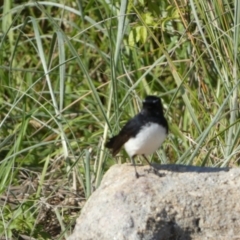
[[144, 133]]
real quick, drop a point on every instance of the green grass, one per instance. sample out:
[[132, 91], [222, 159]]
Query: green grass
[[72, 73]]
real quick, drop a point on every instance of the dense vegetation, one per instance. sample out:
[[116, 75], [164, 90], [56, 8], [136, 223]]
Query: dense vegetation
[[73, 72]]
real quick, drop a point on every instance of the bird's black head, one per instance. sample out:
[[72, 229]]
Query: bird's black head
[[152, 104]]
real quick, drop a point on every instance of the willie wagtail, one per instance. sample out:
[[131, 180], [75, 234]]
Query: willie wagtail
[[144, 133]]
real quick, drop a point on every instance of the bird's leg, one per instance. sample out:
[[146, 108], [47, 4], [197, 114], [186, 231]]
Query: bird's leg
[[152, 168], [134, 164], [147, 160]]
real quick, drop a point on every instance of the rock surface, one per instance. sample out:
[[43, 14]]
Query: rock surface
[[184, 203]]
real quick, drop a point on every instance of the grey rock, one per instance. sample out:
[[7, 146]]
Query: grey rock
[[182, 202]]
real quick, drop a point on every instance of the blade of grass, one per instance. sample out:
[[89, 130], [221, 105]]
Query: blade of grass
[[42, 177]]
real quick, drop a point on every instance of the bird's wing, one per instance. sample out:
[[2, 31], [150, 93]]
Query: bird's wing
[[129, 130]]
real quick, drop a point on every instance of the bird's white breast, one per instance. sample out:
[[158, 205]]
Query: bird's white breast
[[147, 141]]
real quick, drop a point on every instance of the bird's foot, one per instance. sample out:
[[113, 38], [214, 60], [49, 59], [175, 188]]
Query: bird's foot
[[154, 171]]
